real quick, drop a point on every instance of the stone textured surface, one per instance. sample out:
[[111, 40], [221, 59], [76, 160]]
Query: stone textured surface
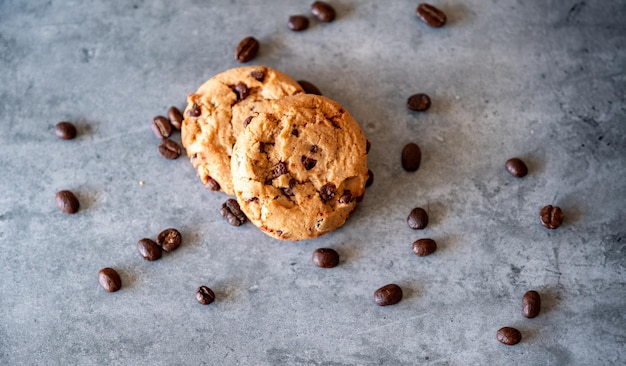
[[544, 82]]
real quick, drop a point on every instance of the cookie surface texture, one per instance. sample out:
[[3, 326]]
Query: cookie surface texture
[[217, 111], [300, 168]]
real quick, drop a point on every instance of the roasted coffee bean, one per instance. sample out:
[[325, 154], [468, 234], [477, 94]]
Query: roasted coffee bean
[[109, 279], [531, 304], [176, 118], [169, 149], [298, 23], [418, 219], [279, 169], [169, 239], [418, 102], [247, 121], [325, 258], [241, 90], [388, 295], [309, 163], [247, 49], [161, 127], [212, 185], [516, 167], [424, 247], [65, 130], [232, 213], [149, 250], [259, 75], [194, 111], [431, 15], [509, 336], [66, 201], [346, 197], [551, 217], [370, 178], [309, 88], [323, 11], [327, 192], [205, 295], [411, 157]]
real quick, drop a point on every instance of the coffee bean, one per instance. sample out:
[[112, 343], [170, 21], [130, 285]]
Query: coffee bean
[[346, 197], [279, 169], [327, 192], [66, 201], [176, 118], [370, 178], [424, 247], [431, 15], [388, 295], [531, 304], [418, 102], [109, 279], [149, 250], [212, 185], [232, 213], [308, 163], [247, 49], [241, 90], [551, 217], [259, 75], [298, 23], [325, 258], [169, 239], [509, 336], [65, 130], [194, 111], [323, 11], [309, 88], [516, 167], [411, 157], [161, 127], [169, 149], [418, 219], [205, 295]]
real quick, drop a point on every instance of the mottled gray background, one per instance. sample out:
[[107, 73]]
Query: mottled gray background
[[542, 80]]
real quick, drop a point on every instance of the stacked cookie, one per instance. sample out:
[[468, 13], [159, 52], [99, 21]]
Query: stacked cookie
[[296, 162]]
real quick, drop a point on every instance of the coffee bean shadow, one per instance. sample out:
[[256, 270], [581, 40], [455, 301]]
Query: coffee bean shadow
[[88, 198], [550, 298], [446, 243], [436, 214], [83, 129], [571, 214], [348, 253], [456, 14], [128, 275], [409, 290], [342, 11], [534, 164]]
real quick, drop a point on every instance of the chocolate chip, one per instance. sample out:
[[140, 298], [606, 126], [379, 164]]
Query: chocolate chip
[[288, 192], [65, 130], [161, 127], [176, 118], [308, 163], [388, 295], [309, 88], [509, 336], [259, 75], [295, 132], [109, 279], [516, 167], [169, 149], [298, 23], [241, 90], [418, 102], [246, 121], [323, 11], [212, 185], [194, 111], [431, 15], [232, 213], [411, 157], [247, 49], [346, 197], [262, 147], [370, 178], [418, 219], [279, 169], [327, 192], [325, 258], [292, 183], [531, 304], [551, 217], [169, 239], [149, 250], [66, 201], [313, 149], [205, 295], [424, 247]]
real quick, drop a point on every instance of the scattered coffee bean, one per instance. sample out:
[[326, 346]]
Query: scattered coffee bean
[[169, 239], [509, 336], [325, 258], [388, 295], [298, 23], [259, 75], [327, 192], [516, 167], [346, 197], [66, 201], [149, 250], [411, 157], [551, 217], [309, 88], [65, 130], [241, 90], [323, 11], [309, 163], [169, 149], [424, 247], [418, 219], [212, 185], [279, 169], [418, 102], [370, 178], [531, 304], [247, 49], [232, 213], [194, 111], [205, 295], [431, 15], [161, 127], [109, 279], [176, 118]]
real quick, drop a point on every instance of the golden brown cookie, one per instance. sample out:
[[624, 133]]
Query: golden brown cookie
[[217, 111], [300, 168]]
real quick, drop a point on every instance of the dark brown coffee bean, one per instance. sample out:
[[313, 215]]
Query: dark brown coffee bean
[[516, 167], [66, 201], [259, 75], [411, 157], [247, 49], [161, 127], [431, 15], [309, 88], [241, 90], [212, 185], [309, 163], [327, 192], [388, 295], [298, 23], [424, 247], [205, 295], [232, 213], [149, 250], [368, 145], [109, 279], [531, 304], [551, 217], [323, 11], [194, 111], [370, 178], [346, 197], [418, 102], [418, 219], [509, 336], [169, 149], [169, 239], [279, 169], [325, 258], [247, 121], [176, 118], [65, 130]]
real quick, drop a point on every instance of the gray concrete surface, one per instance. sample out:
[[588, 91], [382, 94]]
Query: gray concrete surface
[[544, 81]]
